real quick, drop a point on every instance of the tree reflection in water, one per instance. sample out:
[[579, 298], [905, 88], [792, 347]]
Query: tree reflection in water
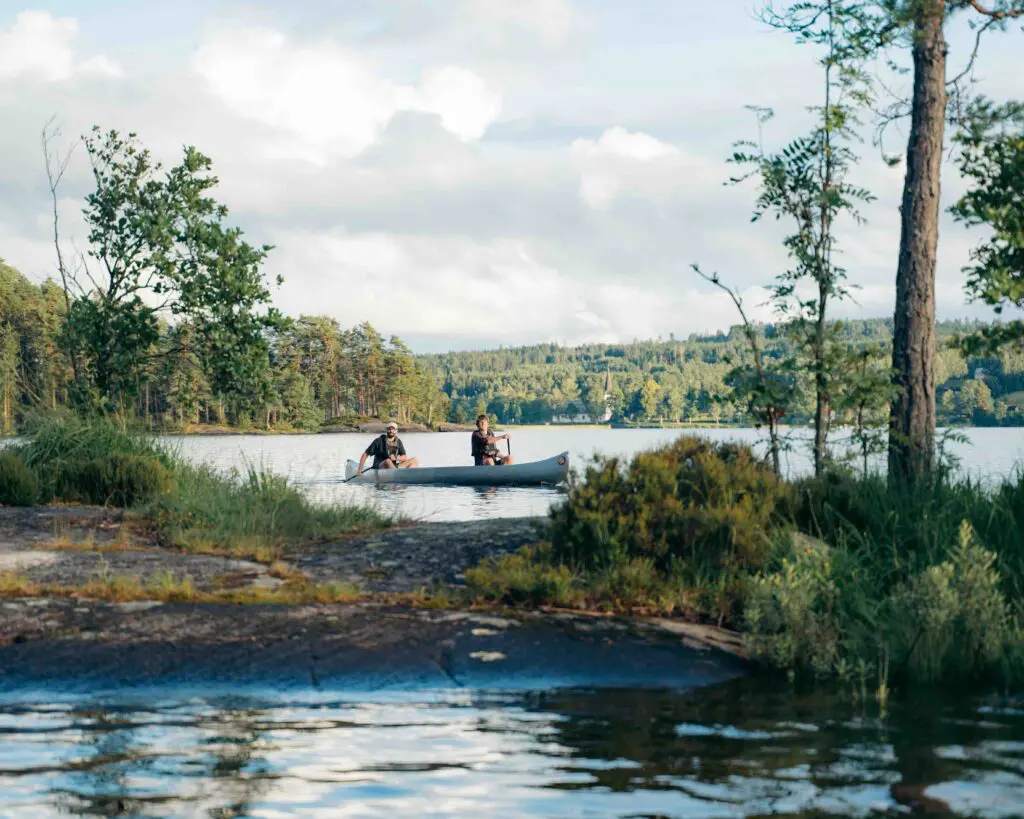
[[749, 748]]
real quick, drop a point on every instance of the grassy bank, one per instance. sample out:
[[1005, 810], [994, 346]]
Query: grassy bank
[[63, 459], [842, 576]]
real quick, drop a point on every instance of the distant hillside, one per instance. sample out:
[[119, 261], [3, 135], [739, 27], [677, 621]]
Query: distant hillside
[[678, 380]]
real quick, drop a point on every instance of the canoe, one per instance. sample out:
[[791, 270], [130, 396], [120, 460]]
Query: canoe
[[549, 471]]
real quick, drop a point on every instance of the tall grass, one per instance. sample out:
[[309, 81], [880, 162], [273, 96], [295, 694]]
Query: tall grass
[[96, 460], [898, 531], [253, 513], [249, 514]]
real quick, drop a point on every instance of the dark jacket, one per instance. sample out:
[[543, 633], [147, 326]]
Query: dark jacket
[[482, 448], [381, 449]]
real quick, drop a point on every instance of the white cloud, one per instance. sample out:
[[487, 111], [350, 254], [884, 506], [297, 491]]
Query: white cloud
[[372, 147], [619, 142], [550, 20], [450, 288], [460, 98], [327, 100], [621, 162], [40, 46]]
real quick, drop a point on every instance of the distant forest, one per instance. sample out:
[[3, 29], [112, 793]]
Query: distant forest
[[687, 380], [313, 372], [317, 373]]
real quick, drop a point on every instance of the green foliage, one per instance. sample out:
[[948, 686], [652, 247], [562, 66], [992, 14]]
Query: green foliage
[[93, 461], [358, 374], [864, 399], [807, 185], [693, 504], [826, 613], [952, 619], [253, 511], [898, 531], [165, 237], [534, 577], [992, 159], [526, 577], [112, 480], [18, 484], [793, 615]]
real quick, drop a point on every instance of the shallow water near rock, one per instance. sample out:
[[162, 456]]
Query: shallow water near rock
[[736, 750]]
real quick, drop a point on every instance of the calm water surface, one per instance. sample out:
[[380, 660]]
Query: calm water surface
[[317, 462], [730, 751]]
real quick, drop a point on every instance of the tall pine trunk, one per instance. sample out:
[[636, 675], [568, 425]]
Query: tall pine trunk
[[912, 419]]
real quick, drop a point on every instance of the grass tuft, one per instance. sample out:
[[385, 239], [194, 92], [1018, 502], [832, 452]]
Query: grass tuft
[[170, 588]]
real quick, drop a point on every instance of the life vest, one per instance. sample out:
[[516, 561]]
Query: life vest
[[392, 447], [482, 447]]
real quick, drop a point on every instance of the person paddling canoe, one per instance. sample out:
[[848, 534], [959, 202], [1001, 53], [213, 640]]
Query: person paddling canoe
[[388, 451], [485, 446]]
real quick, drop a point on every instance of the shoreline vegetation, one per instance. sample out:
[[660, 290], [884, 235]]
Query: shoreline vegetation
[[842, 576], [834, 577]]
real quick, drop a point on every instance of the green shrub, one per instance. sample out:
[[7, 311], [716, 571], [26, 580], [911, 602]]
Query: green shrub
[[18, 484], [112, 480], [89, 460], [821, 612], [952, 620], [794, 615], [706, 507], [525, 578]]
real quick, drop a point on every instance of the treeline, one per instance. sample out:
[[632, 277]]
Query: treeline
[[316, 373], [313, 372], [689, 380]]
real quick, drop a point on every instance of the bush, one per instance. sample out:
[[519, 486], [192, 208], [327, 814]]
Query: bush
[[952, 620], [113, 480], [18, 484], [794, 615], [525, 578], [822, 613], [94, 460], [693, 505]]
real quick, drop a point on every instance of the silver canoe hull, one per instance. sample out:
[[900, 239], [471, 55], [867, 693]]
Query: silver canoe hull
[[549, 471]]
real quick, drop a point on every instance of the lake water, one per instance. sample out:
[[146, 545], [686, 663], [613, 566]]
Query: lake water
[[317, 462], [738, 750]]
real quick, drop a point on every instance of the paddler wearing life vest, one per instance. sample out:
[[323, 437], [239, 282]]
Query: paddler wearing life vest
[[388, 451], [485, 446]]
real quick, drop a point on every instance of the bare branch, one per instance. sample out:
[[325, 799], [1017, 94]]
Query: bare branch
[[974, 52], [995, 14], [56, 166], [84, 265]]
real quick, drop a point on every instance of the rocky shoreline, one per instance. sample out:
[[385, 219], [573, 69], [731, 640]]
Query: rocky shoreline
[[388, 639]]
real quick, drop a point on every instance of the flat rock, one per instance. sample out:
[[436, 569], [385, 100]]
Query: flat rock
[[18, 560], [356, 647], [409, 558]]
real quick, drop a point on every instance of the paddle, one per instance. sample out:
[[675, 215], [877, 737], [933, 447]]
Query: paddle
[[371, 469]]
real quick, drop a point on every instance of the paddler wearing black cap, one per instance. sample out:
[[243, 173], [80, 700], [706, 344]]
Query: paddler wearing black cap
[[388, 451]]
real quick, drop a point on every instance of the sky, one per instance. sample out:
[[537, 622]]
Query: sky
[[462, 173]]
